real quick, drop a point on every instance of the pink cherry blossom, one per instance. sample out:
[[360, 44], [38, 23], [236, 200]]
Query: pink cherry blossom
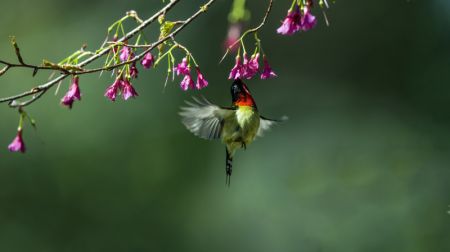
[[267, 72], [236, 71], [201, 81], [291, 23], [128, 90], [17, 145], [182, 68], [114, 89], [73, 93], [148, 60], [187, 82]]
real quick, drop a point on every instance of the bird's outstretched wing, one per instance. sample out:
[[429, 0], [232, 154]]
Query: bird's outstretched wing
[[204, 119], [266, 124]]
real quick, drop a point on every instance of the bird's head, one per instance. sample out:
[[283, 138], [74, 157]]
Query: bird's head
[[241, 95]]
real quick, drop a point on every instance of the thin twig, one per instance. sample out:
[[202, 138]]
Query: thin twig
[[3, 71], [21, 65], [17, 50]]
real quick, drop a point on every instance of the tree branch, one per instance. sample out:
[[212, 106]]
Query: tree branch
[[41, 89]]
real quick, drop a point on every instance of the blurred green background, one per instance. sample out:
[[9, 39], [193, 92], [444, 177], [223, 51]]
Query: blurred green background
[[362, 164]]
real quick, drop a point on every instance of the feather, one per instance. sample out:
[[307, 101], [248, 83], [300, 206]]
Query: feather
[[266, 124], [203, 118]]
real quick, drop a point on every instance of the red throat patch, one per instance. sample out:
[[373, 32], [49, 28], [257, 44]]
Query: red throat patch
[[245, 100]]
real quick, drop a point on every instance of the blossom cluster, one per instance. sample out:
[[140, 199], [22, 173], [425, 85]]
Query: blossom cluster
[[299, 18], [122, 85], [184, 68], [247, 68]]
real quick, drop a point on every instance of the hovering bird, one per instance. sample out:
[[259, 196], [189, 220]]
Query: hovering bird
[[237, 125]]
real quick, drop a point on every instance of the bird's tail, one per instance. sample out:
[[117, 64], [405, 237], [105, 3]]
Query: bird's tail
[[228, 167]]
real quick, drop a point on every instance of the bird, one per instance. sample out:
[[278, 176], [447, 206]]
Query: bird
[[237, 126]]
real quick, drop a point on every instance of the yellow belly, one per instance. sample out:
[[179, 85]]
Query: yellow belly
[[240, 128]]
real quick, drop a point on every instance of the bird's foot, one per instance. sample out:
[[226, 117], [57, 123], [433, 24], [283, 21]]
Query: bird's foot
[[229, 170]]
